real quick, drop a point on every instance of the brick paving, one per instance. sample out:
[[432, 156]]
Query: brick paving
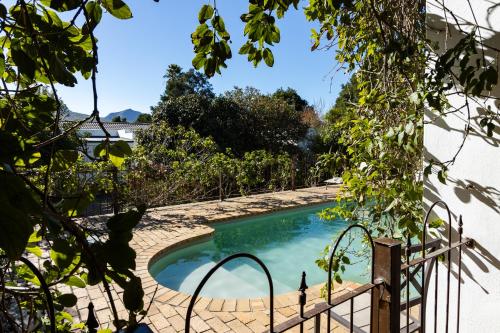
[[166, 228]]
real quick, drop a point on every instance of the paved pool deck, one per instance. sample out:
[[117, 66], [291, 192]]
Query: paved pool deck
[[166, 228]]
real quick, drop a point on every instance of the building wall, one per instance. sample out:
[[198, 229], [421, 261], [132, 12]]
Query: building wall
[[473, 185]]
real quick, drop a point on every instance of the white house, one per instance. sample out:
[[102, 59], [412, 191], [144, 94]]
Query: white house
[[93, 134], [473, 184]]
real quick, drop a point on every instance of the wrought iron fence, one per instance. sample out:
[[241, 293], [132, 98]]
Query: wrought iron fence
[[390, 275]]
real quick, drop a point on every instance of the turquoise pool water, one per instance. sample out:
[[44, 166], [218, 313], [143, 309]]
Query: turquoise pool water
[[288, 242]]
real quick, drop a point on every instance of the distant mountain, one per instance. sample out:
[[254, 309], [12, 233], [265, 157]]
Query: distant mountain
[[75, 116], [129, 114]]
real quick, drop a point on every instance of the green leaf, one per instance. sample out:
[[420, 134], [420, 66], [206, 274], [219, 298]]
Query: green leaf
[[198, 61], [218, 24], [16, 205], [36, 250], [75, 281], [246, 48], [62, 253], [268, 57], [67, 300], [64, 159], [205, 13], [117, 8], [95, 14], [23, 61], [59, 71], [119, 255], [76, 205], [100, 149], [442, 176], [23, 162], [2, 64], [125, 221], [428, 170], [133, 294], [118, 152], [61, 5], [3, 11]]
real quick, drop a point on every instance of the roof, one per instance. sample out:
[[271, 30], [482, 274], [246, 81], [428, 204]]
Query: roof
[[110, 126], [112, 139]]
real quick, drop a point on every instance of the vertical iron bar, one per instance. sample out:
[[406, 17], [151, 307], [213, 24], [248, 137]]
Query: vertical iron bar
[[422, 295], [408, 244], [317, 323], [328, 321], [436, 296], [448, 254], [351, 319], [424, 233], [460, 232]]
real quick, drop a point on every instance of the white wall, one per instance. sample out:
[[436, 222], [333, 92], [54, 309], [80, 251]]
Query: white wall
[[473, 186]]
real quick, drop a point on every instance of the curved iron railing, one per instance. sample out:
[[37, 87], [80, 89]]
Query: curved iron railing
[[384, 312], [424, 295], [332, 255], [214, 269], [45, 289], [330, 263]]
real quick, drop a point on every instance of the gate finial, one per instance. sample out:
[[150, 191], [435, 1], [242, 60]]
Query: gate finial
[[302, 296], [303, 285], [92, 323]]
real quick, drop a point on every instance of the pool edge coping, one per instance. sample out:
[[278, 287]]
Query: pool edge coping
[[209, 232]]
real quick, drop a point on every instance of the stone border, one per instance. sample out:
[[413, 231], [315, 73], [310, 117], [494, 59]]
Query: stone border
[[165, 229]]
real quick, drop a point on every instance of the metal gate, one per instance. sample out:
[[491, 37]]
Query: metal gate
[[390, 276]]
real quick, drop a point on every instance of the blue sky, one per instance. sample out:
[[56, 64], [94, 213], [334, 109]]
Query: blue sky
[[134, 54]]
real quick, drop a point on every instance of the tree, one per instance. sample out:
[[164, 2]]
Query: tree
[[291, 97], [242, 120], [180, 83], [144, 118], [398, 71], [185, 110], [119, 119], [40, 50]]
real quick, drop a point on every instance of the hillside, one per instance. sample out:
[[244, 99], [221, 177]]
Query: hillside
[[74, 116], [129, 114]]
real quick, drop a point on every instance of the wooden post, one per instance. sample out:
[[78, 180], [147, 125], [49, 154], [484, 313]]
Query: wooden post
[[385, 316]]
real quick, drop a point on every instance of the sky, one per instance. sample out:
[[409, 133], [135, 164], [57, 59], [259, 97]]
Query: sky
[[134, 55]]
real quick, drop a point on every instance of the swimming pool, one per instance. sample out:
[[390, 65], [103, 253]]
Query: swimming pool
[[288, 242]]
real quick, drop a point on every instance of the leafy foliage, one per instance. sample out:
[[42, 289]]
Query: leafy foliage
[[144, 118], [175, 164], [180, 83], [42, 188], [241, 120], [396, 72]]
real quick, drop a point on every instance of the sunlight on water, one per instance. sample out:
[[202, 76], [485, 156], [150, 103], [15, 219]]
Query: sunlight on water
[[287, 242]]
